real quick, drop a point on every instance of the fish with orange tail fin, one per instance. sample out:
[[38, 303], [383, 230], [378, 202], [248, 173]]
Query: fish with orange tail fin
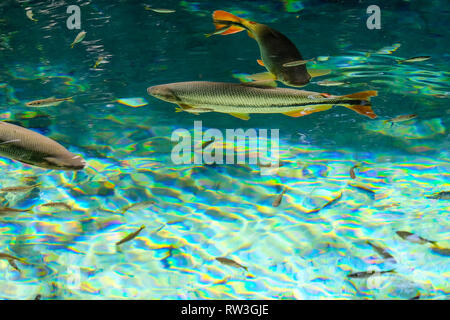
[[239, 99], [277, 51]]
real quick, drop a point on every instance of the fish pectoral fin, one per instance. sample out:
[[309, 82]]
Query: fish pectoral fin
[[318, 72], [242, 116], [305, 112], [262, 76], [260, 62], [183, 107]]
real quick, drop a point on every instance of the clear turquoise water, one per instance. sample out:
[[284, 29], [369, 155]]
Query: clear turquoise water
[[202, 212]]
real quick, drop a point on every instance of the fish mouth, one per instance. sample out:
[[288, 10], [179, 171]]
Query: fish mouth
[[162, 92]]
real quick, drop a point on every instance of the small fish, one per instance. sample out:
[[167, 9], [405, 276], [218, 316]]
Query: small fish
[[367, 274], [382, 252], [35, 149], [352, 171], [329, 83], [218, 31], [363, 188], [8, 257], [401, 118], [278, 199], [159, 10], [443, 195], [414, 59], [296, 63], [411, 237], [230, 262], [98, 62], [13, 264], [29, 14], [332, 201], [131, 236], [78, 38], [138, 205], [49, 102], [57, 204], [7, 210], [19, 188], [441, 251]]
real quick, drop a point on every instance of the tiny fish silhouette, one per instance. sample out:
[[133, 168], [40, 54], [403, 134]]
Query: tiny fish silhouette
[[131, 236]]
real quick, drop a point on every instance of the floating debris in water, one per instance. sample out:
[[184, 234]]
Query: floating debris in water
[[133, 102], [131, 236], [411, 237], [443, 195], [230, 262]]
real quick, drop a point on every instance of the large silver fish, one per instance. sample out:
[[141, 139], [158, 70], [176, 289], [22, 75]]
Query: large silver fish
[[32, 148], [239, 99]]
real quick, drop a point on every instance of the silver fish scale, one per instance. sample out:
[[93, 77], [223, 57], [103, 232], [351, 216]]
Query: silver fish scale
[[26, 144], [246, 98]]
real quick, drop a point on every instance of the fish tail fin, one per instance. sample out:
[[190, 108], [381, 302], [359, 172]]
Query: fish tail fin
[[222, 18], [365, 107], [363, 95]]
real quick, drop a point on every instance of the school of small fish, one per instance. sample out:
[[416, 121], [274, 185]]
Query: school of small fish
[[284, 63]]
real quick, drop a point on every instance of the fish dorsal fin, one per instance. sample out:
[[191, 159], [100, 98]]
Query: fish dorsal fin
[[260, 62], [318, 72], [242, 116]]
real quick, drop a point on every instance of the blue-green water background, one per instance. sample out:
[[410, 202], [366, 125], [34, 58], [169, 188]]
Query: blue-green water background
[[129, 149]]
